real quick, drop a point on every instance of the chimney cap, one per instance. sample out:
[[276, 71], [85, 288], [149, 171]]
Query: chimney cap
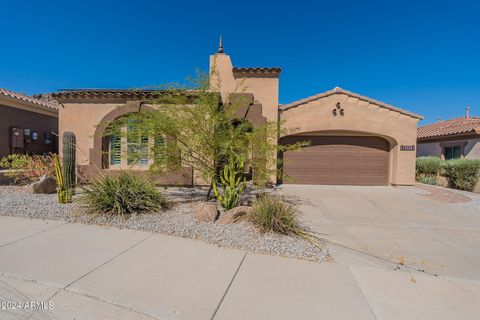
[[220, 45], [467, 113]]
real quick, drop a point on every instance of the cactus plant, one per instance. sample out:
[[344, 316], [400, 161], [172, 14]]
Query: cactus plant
[[233, 182], [68, 161], [64, 195]]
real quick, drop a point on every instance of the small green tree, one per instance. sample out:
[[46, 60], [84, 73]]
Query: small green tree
[[197, 131]]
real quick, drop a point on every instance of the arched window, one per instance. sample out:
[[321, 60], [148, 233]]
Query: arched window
[[126, 147], [137, 146]]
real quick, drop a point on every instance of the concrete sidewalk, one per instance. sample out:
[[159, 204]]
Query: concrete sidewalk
[[90, 272]]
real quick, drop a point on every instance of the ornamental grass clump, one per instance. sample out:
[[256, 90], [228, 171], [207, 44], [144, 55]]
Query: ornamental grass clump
[[271, 213], [126, 194]]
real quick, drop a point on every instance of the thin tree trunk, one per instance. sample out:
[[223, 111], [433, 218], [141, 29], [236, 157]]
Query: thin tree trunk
[[209, 191]]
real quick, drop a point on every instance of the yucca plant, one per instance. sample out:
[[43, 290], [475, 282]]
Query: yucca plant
[[126, 194], [233, 182]]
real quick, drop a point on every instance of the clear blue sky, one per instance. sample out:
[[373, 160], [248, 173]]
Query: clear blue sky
[[423, 56]]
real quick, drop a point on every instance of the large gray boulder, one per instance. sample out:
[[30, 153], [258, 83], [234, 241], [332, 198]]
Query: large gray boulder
[[207, 212], [234, 215], [46, 184]]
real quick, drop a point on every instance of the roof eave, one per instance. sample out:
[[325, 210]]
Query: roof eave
[[338, 90], [32, 107]]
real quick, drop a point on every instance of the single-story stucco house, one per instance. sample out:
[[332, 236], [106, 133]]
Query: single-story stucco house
[[450, 139], [355, 140], [27, 125]]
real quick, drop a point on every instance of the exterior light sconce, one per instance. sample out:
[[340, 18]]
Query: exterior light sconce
[[338, 109]]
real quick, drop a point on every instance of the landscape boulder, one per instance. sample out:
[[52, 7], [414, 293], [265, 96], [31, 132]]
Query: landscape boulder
[[234, 215], [46, 184], [207, 212]]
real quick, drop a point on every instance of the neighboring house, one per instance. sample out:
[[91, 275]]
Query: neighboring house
[[450, 139], [27, 125], [355, 140]]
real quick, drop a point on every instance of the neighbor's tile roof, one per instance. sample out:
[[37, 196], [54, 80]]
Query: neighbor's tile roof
[[449, 127], [31, 100], [338, 90]]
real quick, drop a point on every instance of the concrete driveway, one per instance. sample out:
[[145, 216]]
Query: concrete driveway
[[428, 229]]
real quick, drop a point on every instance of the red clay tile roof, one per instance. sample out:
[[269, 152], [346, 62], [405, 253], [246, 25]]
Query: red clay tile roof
[[139, 94], [338, 90], [449, 127], [31, 100], [257, 70]]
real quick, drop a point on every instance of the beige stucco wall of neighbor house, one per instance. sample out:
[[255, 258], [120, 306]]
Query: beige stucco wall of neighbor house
[[429, 149], [471, 148], [361, 117]]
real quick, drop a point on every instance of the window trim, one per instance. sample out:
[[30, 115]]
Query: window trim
[[453, 144]]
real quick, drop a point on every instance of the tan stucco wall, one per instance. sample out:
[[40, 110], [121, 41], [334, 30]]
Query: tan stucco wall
[[82, 119], [360, 118], [263, 86], [471, 149]]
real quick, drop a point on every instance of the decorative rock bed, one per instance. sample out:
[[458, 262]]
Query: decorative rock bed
[[178, 220]]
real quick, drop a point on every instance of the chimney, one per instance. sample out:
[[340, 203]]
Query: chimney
[[467, 115]]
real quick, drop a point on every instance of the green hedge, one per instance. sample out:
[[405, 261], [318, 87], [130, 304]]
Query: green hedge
[[461, 173], [428, 165], [427, 169]]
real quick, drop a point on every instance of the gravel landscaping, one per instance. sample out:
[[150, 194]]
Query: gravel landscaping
[[178, 220]]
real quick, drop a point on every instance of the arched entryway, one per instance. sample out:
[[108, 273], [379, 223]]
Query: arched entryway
[[337, 160], [98, 157]]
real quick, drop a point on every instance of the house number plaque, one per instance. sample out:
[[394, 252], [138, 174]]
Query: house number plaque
[[404, 147]]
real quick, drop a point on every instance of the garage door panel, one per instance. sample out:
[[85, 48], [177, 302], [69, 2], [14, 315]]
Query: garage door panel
[[338, 160], [310, 170], [371, 180], [372, 167], [345, 179], [345, 155], [372, 155], [291, 163], [309, 179], [319, 154]]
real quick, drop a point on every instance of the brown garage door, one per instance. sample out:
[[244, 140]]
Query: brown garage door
[[337, 160]]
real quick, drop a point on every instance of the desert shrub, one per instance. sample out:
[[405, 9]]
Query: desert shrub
[[461, 174], [427, 169], [125, 194], [427, 165], [271, 213], [25, 168], [428, 179]]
